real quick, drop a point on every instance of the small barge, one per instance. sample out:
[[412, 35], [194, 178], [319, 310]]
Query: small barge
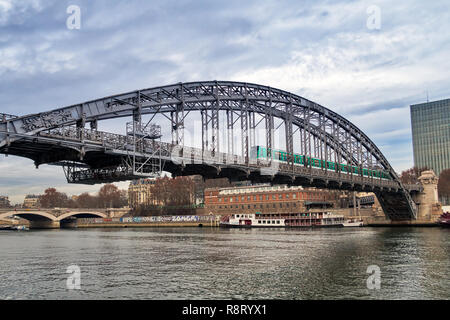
[[283, 220]]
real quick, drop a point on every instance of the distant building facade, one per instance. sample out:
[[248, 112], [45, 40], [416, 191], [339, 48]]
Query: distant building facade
[[430, 123], [268, 199], [31, 201], [139, 193], [4, 202]]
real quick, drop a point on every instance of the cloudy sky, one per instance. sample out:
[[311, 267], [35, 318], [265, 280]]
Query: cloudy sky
[[336, 53]]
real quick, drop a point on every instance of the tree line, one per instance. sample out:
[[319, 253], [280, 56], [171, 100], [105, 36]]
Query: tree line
[[109, 196]]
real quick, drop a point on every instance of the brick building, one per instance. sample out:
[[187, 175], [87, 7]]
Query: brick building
[[268, 199]]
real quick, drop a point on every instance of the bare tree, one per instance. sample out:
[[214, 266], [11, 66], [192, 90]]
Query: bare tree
[[52, 198], [411, 175], [444, 184]]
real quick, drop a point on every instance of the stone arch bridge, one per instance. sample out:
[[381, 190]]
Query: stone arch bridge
[[51, 218]]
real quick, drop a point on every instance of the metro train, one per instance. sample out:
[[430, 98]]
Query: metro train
[[258, 152]]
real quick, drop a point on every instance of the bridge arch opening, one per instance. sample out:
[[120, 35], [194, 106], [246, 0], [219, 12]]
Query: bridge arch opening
[[74, 215]]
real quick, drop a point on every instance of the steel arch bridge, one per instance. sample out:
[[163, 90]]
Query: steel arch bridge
[[335, 153]]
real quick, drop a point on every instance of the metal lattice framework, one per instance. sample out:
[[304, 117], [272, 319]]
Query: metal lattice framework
[[309, 129]]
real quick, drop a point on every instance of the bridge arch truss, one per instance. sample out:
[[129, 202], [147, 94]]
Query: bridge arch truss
[[309, 129]]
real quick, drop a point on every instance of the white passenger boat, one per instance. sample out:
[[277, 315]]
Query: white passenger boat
[[282, 220]]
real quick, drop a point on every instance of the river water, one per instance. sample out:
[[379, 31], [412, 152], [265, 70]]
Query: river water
[[212, 263]]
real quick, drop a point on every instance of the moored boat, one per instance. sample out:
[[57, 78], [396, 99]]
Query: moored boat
[[444, 220], [353, 223], [13, 227], [282, 220]]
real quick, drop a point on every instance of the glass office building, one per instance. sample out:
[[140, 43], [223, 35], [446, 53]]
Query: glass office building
[[430, 124]]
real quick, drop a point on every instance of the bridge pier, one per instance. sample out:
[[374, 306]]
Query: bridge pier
[[429, 207]]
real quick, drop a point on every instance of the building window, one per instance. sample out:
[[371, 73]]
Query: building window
[[280, 196], [287, 195], [267, 197]]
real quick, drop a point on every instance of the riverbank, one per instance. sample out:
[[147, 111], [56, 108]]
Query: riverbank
[[147, 225]]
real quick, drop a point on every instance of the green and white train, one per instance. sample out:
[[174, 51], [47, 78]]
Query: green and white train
[[258, 152]]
